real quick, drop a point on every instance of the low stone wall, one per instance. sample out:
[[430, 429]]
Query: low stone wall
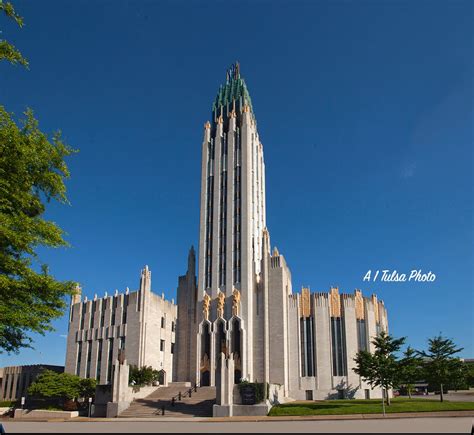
[[114, 409], [43, 413], [142, 392]]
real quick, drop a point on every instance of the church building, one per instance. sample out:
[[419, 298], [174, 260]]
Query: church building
[[241, 305]]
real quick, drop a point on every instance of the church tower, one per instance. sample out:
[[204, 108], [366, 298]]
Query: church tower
[[232, 224]]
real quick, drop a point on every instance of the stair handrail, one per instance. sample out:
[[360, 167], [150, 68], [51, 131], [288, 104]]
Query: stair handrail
[[180, 395]]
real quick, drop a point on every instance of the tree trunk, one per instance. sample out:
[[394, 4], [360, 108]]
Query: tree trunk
[[441, 398], [388, 397], [409, 393]]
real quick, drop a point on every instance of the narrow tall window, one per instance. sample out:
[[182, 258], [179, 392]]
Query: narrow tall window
[[89, 358], [361, 335], [99, 361], [339, 367], [162, 345], [83, 314], [114, 308], [79, 357], [125, 308], [307, 346], [110, 360], [223, 215], [237, 212], [162, 322], [209, 214], [91, 319], [103, 305]]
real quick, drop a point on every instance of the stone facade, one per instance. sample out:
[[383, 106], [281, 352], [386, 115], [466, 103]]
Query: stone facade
[[15, 380], [140, 325]]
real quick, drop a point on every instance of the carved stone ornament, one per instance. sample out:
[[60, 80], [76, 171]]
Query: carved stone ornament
[[359, 305], [206, 302], [220, 304], [335, 301], [305, 304], [235, 302], [207, 125]]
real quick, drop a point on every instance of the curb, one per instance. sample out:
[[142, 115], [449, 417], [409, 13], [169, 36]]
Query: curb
[[427, 414]]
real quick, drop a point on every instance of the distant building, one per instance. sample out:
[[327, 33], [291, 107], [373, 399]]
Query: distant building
[[15, 380], [141, 324]]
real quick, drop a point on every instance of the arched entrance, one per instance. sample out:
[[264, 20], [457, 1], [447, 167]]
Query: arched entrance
[[162, 377], [236, 349], [205, 365]]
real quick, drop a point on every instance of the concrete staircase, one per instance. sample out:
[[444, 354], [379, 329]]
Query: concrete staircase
[[198, 405]]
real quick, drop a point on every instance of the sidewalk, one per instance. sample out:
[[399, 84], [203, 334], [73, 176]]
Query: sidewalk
[[256, 419]]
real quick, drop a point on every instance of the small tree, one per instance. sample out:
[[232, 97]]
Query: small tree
[[145, 375], [439, 366], [64, 386], [381, 368], [410, 369]]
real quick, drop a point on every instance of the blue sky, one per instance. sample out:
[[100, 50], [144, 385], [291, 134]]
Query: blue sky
[[364, 109]]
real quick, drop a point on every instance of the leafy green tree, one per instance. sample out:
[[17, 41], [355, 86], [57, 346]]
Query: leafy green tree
[[381, 368], [53, 385], [410, 369], [145, 375], [470, 373], [8, 51], [32, 173], [440, 368]]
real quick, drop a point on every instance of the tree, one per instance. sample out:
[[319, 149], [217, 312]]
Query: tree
[[8, 51], [53, 385], [32, 173], [410, 369], [143, 376], [439, 366], [381, 368]]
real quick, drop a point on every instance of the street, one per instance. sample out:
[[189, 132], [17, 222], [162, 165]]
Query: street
[[398, 425]]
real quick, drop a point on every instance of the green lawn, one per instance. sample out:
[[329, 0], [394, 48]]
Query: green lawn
[[334, 407]]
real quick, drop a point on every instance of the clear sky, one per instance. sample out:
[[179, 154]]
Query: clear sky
[[364, 108]]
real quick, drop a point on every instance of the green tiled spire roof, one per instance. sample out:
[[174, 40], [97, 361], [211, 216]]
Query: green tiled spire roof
[[234, 89]]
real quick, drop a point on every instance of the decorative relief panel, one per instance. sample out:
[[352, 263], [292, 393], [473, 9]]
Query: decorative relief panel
[[235, 302], [305, 304], [335, 302], [206, 301], [359, 305], [220, 304]]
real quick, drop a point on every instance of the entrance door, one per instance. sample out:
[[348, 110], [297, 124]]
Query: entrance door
[[205, 379]]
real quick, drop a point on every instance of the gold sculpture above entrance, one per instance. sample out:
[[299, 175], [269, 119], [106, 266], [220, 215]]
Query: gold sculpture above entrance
[[220, 304], [206, 301], [235, 302]]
